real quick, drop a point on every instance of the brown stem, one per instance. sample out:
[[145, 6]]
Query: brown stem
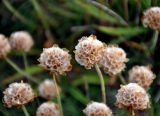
[[131, 111]]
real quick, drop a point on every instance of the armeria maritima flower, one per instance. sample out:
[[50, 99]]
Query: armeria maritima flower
[[18, 94], [132, 96], [48, 109], [151, 18], [141, 75], [4, 46], [88, 51], [97, 109], [47, 89], [113, 59], [56, 60], [21, 40]]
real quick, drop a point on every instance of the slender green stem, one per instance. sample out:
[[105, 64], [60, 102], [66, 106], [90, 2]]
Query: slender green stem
[[25, 111], [102, 83], [154, 41], [25, 60], [10, 62], [86, 88], [123, 81], [58, 96]]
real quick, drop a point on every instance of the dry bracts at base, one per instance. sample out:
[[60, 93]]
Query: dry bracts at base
[[151, 18], [141, 75], [4, 46], [113, 59], [21, 40], [97, 109], [55, 60], [47, 89], [132, 96], [48, 109], [18, 94], [88, 51]]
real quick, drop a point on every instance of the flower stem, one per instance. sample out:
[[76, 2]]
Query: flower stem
[[25, 111], [58, 96], [25, 60], [131, 111], [102, 83], [123, 81], [10, 62], [154, 41]]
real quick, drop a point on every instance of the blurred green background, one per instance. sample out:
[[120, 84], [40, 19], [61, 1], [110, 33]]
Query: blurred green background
[[64, 22]]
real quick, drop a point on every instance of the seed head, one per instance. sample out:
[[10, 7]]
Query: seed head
[[132, 95], [151, 18], [56, 60], [47, 89], [141, 75], [4, 46], [97, 109], [21, 40], [113, 59], [18, 94], [48, 109], [88, 51]]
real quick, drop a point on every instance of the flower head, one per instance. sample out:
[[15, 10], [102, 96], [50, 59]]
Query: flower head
[[18, 94], [113, 59], [48, 109], [132, 95], [88, 51], [21, 40], [97, 109], [141, 75], [4, 46], [56, 60], [151, 18], [47, 89]]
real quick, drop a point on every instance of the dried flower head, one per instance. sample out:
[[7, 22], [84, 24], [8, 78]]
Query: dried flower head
[[141, 75], [56, 60], [132, 95], [151, 18], [113, 59], [47, 89], [97, 109], [48, 109], [88, 51], [18, 94], [21, 40], [4, 46]]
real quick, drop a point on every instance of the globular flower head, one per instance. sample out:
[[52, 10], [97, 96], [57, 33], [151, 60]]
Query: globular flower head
[[97, 109], [4, 46], [47, 89], [56, 60], [113, 59], [141, 75], [21, 40], [18, 94], [132, 96], [151, 18], [88, 51], [48, 109]]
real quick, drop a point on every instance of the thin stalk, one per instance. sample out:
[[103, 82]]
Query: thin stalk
[[58, 96], [10, 62], [131, 111], [123, 81], [102, 83], [125, 3], [86, 87], [25, 111], [154, 41], [25, 60]]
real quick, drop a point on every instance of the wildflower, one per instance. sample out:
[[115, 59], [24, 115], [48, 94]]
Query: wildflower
[[47, 89], [55, 60], [21, 40], [18, 94], [151, 18], [48, 109], [88, 51], [113, 59], [134, 96], [141, 75], [97, 109], [4, 46]]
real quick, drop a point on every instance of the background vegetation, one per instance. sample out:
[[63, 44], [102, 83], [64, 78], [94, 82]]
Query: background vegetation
[[64, 22]]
